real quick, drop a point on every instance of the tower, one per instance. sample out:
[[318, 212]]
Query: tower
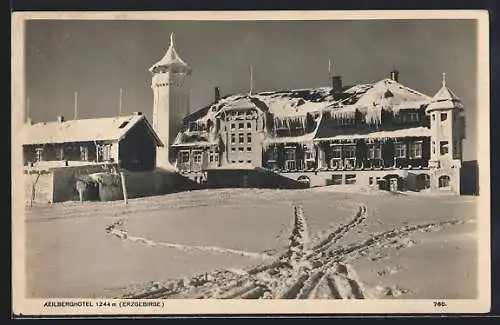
[[447, 121], [171, 100]]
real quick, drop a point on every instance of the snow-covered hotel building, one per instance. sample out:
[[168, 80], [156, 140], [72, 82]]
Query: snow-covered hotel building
[[380, 134]]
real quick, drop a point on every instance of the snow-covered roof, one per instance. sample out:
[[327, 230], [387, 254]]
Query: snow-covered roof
[[300, 139], [401, 133], [97, 129], [389, 90], [289, 107], [444, 99], [171, 58], [284, 105]]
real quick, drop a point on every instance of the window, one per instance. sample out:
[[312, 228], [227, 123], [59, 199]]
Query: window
[[455, 148], [184, 156], [249, 161], [444, 181], [241, 126], [336, 179], [350, 151], [193, 126], [240, 161], [84, 153], [374, 151], [249, 138], [233, 149], [211, 157], [197, 157], [416, 150], [60, 154], [106, 152], [124, 124], [241, 138], [216, 157], [39, 154], [233, 126], [249, 125], [443, 147], [400, 150], [290, 154], [433, 117], [444, 116], [273, 154], [412, 117], [240, 149], [433, 147], [233, 161], [370, 180], [233, 138], [249, 149], [350, 179], [309, 155], [240, 113], [347, 121], [336, 152]]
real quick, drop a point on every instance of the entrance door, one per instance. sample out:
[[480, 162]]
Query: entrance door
[[393, 184]]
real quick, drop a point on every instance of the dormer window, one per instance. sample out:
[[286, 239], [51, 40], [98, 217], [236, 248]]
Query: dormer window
[[444, 116], [412, 117], [347, 121], [193, 126]]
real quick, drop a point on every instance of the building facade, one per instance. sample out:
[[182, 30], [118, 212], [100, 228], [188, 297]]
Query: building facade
[[377, 134]]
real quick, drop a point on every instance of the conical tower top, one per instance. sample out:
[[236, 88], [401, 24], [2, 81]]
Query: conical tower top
[[444, 98], [170, 59]]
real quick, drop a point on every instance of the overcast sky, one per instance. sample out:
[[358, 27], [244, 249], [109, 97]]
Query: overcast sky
[[97, 58]]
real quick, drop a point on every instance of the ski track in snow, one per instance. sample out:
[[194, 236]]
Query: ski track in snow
[[118, 230], [300, 272]]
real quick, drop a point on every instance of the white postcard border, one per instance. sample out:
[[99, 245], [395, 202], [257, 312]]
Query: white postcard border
[[23, 306]]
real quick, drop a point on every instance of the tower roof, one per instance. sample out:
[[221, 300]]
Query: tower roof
[[171, 58], [444, 99]]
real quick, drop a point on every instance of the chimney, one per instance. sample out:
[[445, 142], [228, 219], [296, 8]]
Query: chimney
[[216, 94], [395, 75], [337, 84], [60, 119], [137, 113]]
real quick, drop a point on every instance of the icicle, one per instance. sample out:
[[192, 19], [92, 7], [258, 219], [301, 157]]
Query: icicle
[[374, 115]]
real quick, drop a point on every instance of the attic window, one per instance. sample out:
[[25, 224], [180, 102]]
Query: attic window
[[123, 125], [193, 126], [444, 116]]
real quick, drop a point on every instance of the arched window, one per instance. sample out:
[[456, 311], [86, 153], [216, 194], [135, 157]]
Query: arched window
[[444, 181]]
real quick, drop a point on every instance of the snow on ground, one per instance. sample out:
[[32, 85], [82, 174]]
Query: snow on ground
[[70, 253]]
